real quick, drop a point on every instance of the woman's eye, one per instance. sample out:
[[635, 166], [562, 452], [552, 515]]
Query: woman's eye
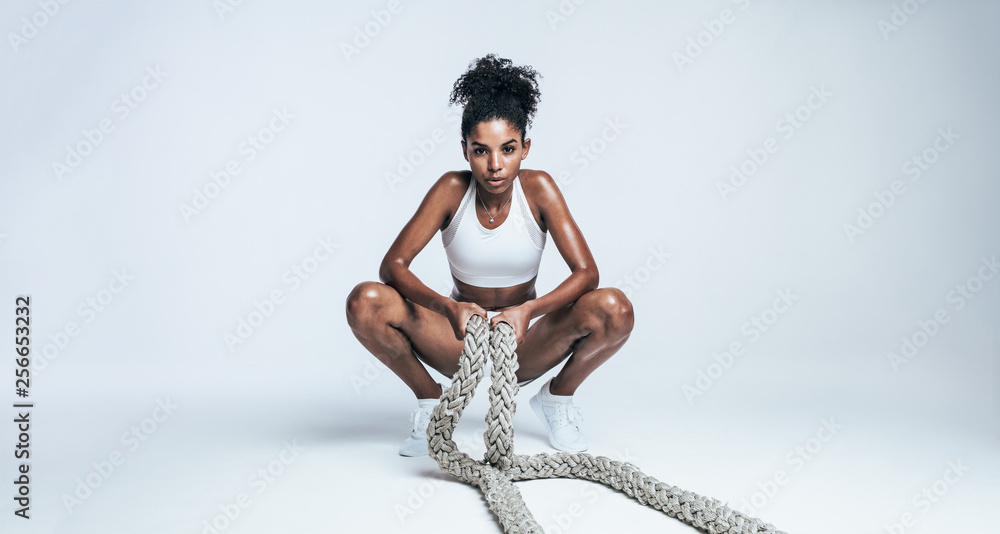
[[508, 149]]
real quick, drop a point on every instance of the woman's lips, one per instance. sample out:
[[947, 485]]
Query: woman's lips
[[495, 181]]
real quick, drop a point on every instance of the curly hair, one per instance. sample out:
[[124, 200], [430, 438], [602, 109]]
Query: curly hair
[[493, 88]]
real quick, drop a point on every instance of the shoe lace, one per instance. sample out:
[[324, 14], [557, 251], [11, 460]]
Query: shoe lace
[[567, 415], [421, 418]]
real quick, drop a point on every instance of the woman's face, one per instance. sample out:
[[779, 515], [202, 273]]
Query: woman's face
[[494, 151]]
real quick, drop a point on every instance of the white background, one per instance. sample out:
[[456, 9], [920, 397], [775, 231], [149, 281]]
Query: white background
[[690, 113]]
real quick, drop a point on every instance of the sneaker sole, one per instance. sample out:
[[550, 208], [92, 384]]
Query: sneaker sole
[[403, 452]]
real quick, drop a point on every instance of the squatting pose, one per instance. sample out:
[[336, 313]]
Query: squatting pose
[[494, 219]]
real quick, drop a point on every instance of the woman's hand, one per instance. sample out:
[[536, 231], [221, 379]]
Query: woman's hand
[[458, 315], [517, 317]]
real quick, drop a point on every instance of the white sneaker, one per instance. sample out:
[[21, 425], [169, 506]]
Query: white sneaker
[[416, 443], [560, 418]]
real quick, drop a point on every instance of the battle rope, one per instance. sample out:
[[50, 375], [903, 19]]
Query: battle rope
[[495, 475]]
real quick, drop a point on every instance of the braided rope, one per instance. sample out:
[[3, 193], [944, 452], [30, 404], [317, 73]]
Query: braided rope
[[495, 475]]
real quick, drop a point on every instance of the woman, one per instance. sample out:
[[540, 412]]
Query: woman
[[494, 219]]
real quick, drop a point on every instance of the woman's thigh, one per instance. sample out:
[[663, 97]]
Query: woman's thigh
[[432, 338], [548, 341]]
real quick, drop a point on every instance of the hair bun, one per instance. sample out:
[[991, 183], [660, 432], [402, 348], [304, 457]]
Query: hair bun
[[493, 88]]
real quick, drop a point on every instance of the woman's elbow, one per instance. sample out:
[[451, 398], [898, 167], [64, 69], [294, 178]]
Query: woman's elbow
[[386, 272], [593, 278]]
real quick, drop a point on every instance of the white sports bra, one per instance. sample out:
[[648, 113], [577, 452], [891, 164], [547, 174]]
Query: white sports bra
[[500, 257]]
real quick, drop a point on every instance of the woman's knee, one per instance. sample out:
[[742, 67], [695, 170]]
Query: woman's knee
[[611, 309], [366, 300]]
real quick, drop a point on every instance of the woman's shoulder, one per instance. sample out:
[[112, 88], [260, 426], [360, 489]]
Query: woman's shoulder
[[447, 192], [539, 186], [454, 180], [536, 178], [451, 185]]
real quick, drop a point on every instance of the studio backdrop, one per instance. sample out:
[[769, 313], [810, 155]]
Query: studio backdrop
[[798, 198]]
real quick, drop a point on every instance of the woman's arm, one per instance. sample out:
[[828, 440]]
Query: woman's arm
[[571, 244], [428, 219]]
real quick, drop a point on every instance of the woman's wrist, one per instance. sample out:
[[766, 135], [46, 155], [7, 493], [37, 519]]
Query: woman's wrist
[[531, 306], [444, 305]]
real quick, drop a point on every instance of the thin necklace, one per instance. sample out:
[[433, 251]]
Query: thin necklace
[[501, 207]]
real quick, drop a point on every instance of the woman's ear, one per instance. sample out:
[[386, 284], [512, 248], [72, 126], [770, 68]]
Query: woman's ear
[[527, 146], [464, 153]]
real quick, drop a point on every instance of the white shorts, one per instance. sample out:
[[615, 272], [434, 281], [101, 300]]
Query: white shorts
[[493, 313]]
